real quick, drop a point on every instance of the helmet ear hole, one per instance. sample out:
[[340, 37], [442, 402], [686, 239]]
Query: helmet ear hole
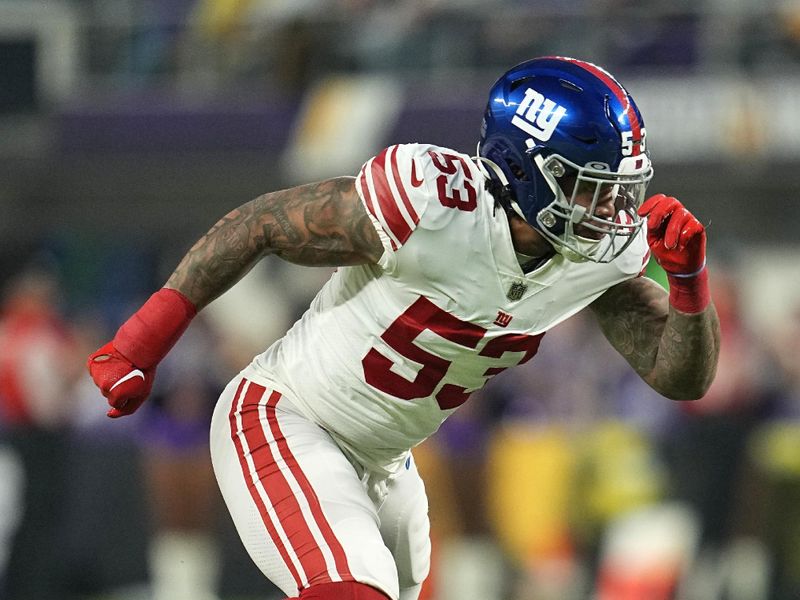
[[518, 172]]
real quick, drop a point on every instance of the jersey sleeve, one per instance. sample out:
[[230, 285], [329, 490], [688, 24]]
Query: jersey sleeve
[[392, 188], [414, 186]]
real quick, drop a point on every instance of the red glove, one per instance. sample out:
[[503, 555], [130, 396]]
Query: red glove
[[125, 386], [125, 367], [678, 243]]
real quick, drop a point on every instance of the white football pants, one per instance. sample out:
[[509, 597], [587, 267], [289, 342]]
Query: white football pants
[[304, 512]]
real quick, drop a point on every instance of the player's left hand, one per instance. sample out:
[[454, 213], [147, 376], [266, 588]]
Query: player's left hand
[[675, 236], [124, 385]]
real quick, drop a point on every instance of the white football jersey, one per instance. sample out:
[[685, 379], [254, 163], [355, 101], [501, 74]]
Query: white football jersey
[[386, 352]]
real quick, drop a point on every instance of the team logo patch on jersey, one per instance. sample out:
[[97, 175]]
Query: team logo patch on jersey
[[503, 319], [516, 291]]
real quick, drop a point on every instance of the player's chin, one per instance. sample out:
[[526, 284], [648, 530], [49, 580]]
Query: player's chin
[[592, 233]]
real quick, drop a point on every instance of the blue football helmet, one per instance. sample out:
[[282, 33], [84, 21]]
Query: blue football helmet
[[553, 121]]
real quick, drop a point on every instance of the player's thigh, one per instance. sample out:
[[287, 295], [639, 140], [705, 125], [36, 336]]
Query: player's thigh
[[405, 526], [296, 501]]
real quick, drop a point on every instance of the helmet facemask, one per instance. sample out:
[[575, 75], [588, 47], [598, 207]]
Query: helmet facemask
[[596, 220]]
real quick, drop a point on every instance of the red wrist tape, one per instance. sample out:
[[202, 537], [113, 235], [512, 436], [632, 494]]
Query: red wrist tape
[[689, 294], [152, 331]]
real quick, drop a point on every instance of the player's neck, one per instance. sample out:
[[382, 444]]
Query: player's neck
[[527, 240]]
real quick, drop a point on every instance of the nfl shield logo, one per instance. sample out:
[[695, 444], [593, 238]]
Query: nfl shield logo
[[516, 291]]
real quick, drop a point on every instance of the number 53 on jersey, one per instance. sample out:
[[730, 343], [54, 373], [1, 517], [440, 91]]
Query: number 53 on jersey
[[424, 315]]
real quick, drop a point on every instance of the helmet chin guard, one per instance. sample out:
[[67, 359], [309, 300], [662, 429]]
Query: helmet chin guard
[[570, 144]]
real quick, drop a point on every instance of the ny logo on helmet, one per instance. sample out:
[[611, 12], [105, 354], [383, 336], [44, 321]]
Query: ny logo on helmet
[[538, 116]]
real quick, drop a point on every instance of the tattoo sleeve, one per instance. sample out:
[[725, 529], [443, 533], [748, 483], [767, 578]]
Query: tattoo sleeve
[[317, 224], [674, 352]]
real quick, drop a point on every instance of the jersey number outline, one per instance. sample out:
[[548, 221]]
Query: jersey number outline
[[449, 195], [425, 315]]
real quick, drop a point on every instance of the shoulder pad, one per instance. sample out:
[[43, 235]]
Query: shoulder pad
[[412, 186]]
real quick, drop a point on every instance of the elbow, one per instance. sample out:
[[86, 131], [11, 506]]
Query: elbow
[[686, 395], [683, 390]]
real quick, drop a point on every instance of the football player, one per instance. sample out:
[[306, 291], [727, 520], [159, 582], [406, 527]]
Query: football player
[[452, 269]]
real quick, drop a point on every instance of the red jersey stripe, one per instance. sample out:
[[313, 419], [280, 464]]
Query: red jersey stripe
[[364, 185], [645, 262], [362, 182], [330, 538], [394, 219], [262, 508], [399, 183], [621, 95]]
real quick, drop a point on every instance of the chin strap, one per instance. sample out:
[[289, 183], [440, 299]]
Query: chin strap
[[503, 197], [498, 185], [485, 162]]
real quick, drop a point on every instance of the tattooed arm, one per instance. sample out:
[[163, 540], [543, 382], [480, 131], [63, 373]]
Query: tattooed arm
[[674, 352], [317, 224]]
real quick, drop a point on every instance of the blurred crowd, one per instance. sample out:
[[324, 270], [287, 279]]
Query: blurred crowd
[[285, 44], [564, 478]]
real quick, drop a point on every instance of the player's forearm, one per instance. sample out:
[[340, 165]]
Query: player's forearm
[[274, 223], [687, 355], [124, 368], [220, 258], [688, 346], [319, 224]]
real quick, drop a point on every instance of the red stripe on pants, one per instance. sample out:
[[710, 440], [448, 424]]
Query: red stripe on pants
[[262, 508], [336, 549], [284, 503]]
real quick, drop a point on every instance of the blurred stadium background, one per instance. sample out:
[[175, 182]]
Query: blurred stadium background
[[127, 127]]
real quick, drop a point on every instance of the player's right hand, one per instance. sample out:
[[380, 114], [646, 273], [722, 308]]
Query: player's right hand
[[124, 385], [675, 236]]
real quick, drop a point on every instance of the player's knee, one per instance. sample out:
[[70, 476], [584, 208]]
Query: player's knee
[[344, 590]]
